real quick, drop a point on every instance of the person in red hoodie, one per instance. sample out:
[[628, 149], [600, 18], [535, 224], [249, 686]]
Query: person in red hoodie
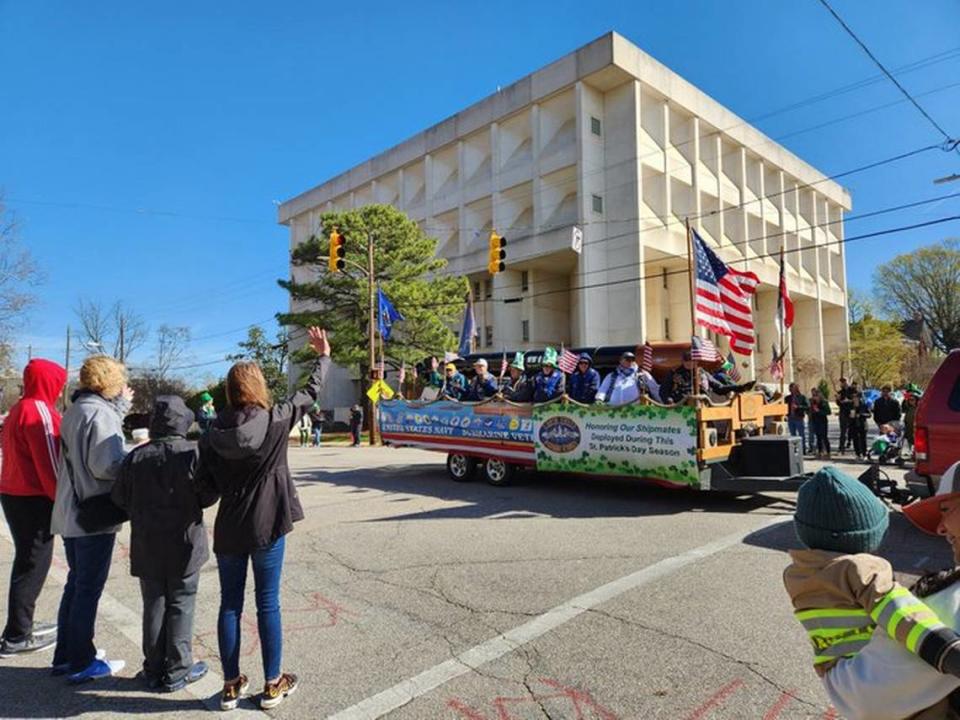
[[28, 486]]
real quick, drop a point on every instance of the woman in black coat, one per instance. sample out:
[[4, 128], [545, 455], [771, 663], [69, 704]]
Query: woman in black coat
[[243, 460]]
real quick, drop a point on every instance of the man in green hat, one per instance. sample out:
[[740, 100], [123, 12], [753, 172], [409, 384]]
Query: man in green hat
[[518, 389], [549, 382], [207, 412]]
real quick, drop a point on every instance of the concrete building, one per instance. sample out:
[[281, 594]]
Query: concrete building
[[589, 167]]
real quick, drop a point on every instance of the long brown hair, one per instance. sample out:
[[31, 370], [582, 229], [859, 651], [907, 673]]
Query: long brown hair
[[247, 386]]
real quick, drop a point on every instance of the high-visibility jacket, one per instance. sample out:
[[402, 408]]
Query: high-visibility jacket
[[841, 599]]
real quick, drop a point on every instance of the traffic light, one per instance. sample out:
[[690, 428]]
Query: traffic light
[[497, 253], [335, 262]]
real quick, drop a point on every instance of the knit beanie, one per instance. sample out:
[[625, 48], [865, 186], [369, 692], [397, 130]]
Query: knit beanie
[[838, 513]]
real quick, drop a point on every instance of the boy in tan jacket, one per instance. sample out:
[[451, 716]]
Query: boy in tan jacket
[[841, 592]]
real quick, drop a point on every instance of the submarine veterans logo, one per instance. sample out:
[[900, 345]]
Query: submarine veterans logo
[[560, 434]]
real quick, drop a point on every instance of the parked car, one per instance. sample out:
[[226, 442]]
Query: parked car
[[937, 428]]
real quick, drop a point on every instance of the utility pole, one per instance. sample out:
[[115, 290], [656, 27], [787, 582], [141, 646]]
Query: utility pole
[[29, 353], [122, 355], [66, 366], [371, 336]]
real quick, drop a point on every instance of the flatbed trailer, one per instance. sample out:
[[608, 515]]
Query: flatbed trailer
[[739, 445]]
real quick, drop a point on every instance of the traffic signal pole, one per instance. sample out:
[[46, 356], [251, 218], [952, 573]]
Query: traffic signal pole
[[372, 335]]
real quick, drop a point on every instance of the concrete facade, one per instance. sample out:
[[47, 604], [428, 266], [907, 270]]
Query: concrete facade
[[589, 168]]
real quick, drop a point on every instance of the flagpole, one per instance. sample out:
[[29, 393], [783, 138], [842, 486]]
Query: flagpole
[[695, 375], [783, 319]]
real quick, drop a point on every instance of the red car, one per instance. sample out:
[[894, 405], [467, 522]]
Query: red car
[[937, 427]]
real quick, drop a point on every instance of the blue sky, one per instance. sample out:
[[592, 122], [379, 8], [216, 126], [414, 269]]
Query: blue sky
[[143, 145]]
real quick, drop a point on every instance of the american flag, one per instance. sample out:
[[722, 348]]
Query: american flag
[[702, 350], [646, 357], [734, 371], [723, 297], [568, 361]]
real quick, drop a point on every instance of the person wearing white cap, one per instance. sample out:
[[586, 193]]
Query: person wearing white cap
[[484, 385]]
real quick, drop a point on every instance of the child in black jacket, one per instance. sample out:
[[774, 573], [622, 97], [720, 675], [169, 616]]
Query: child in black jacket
[[168, 544]]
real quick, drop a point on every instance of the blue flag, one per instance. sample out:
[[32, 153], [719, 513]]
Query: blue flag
[[387, 315], [468, 330]]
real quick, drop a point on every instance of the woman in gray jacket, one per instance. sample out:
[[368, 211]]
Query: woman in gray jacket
[[91, 452]]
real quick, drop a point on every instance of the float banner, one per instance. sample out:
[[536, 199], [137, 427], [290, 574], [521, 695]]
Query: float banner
[[444, 419], [633, 440]]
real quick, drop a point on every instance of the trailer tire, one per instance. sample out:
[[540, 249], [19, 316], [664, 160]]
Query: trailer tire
[[498, 472], [461, 468]]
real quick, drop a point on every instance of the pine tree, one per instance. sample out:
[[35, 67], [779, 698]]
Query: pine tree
[[406, 269]]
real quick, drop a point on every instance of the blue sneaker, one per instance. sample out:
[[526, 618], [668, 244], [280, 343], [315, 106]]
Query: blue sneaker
[[96, 669], [196, 671], [64, 668]]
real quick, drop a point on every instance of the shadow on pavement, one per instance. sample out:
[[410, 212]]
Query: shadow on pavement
[[909, 550], [31, 692], [538, 494]]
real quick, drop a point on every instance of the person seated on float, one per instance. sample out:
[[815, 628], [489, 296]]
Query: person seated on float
[[549, 382], [721, 383], [483, 385], [584, 381], [431, 376], [626, 383], [455, 384], [517, 388], [676, 386]]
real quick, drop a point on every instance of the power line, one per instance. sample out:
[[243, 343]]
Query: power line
[[922, 63], [686, 271], [886, 72]]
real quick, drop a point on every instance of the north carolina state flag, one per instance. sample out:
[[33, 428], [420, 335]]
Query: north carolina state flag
[[784, 303]]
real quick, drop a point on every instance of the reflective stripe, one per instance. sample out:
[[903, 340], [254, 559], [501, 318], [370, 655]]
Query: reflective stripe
[[845, 647], [863, 620], [916, 636], [802, 615], [896, 593]]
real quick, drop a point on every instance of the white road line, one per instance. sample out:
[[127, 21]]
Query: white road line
[[403, 692], [128, 623]]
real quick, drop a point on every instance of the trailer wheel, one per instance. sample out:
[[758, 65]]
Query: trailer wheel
[[461, 467], [497, 472]]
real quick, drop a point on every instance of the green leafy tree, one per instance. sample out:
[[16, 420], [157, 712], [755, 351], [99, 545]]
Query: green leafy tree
[[271, 357], [406, 269], [877, 352], [925, 284]]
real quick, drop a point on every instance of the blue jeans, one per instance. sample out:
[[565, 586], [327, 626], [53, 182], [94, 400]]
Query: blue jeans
[[316, 436], [89, 561], [798, 428], [267, 565]]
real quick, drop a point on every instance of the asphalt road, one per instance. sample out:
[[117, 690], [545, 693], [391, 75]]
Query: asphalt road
[[407, 595]]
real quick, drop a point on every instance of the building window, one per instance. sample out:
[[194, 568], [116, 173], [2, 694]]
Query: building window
[[525, 330], [524, 281], [598, 204], [666, 328], [487, 290], [595, 125], [476, 290], [488, 336]]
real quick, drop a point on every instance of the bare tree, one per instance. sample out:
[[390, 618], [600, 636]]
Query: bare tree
[[859, 305], [131, 331], [19, 275], [116, 330], [172, 345]]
